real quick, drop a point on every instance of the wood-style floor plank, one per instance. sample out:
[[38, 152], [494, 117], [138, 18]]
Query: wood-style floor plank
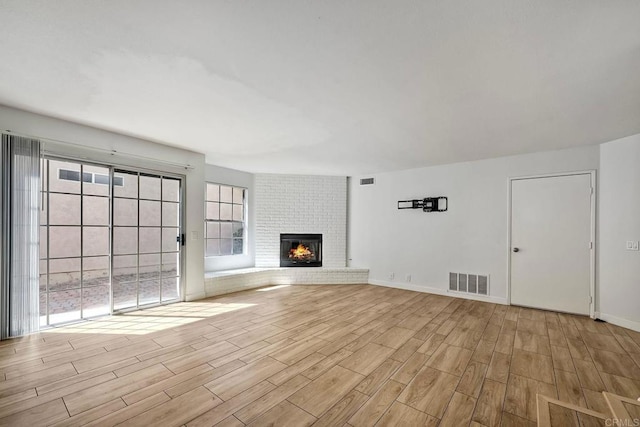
[[250, 412], [451, 359], [488, 410], [47, 413], [499, 367], [375, 407], [130, 411], [326, 390], [93, 396], [379, 376], [532, 365], [334, 355], [430, 391], [367, 359], [177, 411], [241, 379], [339, 413], [459, 411], [403, 415], [284, 414], [472, 379]]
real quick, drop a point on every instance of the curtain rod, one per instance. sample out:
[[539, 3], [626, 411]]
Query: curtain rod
[[104, 150]]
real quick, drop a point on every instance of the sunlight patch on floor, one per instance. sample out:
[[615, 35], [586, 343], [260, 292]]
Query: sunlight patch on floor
[[142, 322], [272, 288]]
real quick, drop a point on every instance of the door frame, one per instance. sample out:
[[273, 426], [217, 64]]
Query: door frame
[[112, 165], [592, 252], [181, 246]]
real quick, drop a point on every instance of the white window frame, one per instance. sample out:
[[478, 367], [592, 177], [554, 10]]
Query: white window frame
[[243, 223], [117, 182]]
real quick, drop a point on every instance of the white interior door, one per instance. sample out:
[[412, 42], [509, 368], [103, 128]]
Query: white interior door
[[551, 243]]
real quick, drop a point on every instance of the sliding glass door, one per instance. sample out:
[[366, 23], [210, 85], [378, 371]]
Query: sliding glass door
[[108, 240], [146, 239]]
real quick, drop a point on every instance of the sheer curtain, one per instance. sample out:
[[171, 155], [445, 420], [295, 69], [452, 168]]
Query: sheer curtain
[[20, 235]]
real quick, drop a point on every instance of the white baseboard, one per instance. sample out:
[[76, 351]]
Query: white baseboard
[[438, 291], [619, 321], [233, 290], [195, 297]]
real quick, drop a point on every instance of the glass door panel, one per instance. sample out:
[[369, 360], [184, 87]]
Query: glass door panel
[[145, 235], [150, 187], [149, 278], [65, 306], [170, 281], [74, 242], [124, 281], [125, 239], [96, 300], [150, 239], [109, 240]]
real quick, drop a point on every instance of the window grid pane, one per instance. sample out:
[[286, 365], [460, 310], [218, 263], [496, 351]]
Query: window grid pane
[[224, 220], [76, 272]]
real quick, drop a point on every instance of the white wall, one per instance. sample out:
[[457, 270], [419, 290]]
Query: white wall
[[619, 213], [220, 175], [300, 204], [470, 238], [128, 152]]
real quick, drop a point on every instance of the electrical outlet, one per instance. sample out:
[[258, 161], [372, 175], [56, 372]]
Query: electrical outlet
[[632, 245], [391, 276], [408, 278]]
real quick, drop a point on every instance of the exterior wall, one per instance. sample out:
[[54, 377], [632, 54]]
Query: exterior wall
[[300, 204]]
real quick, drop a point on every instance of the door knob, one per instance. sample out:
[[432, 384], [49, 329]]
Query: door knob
[[516, 249]]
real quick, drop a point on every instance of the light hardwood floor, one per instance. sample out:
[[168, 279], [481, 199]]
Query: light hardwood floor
[[331, 355]]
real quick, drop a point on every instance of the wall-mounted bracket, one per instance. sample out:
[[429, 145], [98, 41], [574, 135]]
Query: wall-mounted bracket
[[428, 204]]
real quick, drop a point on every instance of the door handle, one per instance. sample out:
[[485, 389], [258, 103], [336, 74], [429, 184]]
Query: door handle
[[516, 249], [180, 239]]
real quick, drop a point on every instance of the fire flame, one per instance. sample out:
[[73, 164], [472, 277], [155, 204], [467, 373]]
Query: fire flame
[[301, 253]]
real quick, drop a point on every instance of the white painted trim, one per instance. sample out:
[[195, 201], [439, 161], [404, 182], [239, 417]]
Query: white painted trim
[[195, 297], [619, 321], [594, 207], [509, 181], [439, 291], [592, 279], [551, 175]]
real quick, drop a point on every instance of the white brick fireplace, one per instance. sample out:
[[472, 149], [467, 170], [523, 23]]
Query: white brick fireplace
[[301, 204], [294, 204]]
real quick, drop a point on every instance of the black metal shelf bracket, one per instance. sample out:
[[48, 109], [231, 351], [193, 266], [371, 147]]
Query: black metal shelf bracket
[[428, 204]]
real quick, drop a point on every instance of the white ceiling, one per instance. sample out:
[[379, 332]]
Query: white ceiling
[[333, 86]]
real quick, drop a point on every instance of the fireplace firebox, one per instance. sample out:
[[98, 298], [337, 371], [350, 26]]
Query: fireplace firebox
[[301, 250]]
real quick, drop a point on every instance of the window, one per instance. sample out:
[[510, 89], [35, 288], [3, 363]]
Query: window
[[88, 177], [224, 220]]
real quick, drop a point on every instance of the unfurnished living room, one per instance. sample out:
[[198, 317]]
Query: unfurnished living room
[[329, 213]]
